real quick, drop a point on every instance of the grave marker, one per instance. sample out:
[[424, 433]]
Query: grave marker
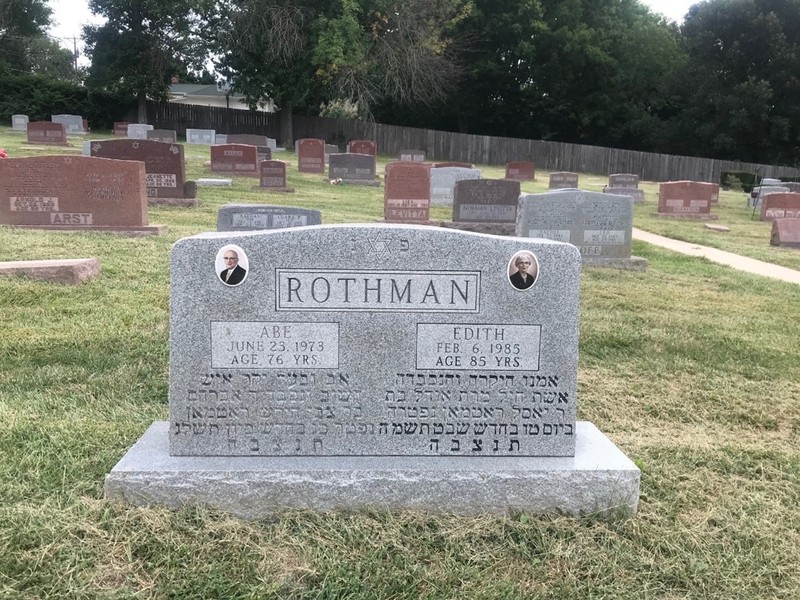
[[485, 201], [443, 182], [250, 217], [121, 128], [412, 155], [164, 165], [521, 170], [138, 131], [47, 132], [784, 205], [786, 233], [362, 147], [73, 124], [623, 180], [477, 384], [19, 123], [249, 139], [75, 192], [207, 137], [356, 169], [406, 194], [168, 136], [236, 159], [686, 200], [330, 149], [599, 225], [272, 176], [310, 155], [563, 180]]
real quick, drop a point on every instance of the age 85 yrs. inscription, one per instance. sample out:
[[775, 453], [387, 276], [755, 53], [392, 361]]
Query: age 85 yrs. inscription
[[478, 347], [259, 345]]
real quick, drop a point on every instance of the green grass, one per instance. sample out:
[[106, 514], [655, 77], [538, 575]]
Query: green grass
[[691, 368]]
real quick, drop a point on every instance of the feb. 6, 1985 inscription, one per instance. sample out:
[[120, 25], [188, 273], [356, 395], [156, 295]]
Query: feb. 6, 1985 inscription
[[373, 341]]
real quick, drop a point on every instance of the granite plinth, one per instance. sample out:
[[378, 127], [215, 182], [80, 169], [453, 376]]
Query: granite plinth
[[490, 228], [172, 201], [598, 479], [69, 270]]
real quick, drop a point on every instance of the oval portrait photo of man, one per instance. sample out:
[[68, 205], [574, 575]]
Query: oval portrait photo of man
[[523, 269], [231, 265]]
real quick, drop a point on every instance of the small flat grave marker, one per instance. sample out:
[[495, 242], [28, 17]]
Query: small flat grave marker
[[65, 270], [250, 217], [214, 182]]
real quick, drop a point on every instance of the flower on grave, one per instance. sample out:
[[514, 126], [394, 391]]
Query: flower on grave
[[3, 153], [336, 181]]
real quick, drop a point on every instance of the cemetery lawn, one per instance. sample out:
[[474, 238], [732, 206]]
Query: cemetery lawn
[[691, 368]]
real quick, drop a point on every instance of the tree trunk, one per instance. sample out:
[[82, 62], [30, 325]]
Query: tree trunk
[[285, 116], [141, 97]]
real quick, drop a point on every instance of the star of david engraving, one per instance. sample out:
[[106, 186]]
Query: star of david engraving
[[379, 245], [135, 145]]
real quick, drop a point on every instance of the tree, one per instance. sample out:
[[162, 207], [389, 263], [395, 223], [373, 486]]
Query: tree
[[143, 43], [303, 52], [20, 21]]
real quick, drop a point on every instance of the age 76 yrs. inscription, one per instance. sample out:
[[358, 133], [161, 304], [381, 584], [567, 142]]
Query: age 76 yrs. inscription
[[249, 345]]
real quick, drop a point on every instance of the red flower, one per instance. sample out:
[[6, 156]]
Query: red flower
[[3, 153]]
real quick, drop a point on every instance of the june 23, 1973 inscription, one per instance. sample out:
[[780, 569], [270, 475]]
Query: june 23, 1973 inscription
[[372, 340]]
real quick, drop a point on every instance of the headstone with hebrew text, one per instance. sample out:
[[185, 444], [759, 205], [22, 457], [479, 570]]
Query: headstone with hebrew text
[[406, 193], [251, 217]]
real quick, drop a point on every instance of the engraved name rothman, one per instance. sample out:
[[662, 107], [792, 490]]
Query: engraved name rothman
[[392, 291]]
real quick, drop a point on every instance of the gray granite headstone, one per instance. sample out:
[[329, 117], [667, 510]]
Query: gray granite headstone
[[201, 136], [443, 182], [374, 375], [86, 150], [358, 169], [169, 136], [412, 155], [138, 131], [221, 138], [251, 217], [331, 149], [73, 124], [272, 144], [486, 201], [563, 180], [214, 182], [599, 225], [757, 196], [19, 123], [635, 193], [623, 180]]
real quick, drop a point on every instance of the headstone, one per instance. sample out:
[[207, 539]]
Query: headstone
[[272, 144], [686, 200], [164, 166], [760, 192], [19, 123], [375, 377], [86, 150], [86, 128], [520, 170], [221, 138], [272, 176], [236, 159], [249, 217], [362, 147], [771, 182], [65, 270], [249, 139], [47, 132], [563, 180], [623, 180], [356, 169], [599, 225], [792, 186], [330, 149], [485, 201], [407, 192], [786, 233], [168, 136], [73, 124], [138, 131], [121, 128], [412, 155], [74, 192], [443, 182], [635, 193], [460, 165], [214, 182], [784, 205], [311, 155], [201, 136]]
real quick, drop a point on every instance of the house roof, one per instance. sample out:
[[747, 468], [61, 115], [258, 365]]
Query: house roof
[[197, 89]]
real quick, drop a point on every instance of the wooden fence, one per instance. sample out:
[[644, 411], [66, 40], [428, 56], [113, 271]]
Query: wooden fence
[[461, 147]]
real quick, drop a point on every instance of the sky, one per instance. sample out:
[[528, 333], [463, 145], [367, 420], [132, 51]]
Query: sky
[[69, 16]]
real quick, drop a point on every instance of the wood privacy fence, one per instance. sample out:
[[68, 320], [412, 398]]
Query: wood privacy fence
[[461, 147]]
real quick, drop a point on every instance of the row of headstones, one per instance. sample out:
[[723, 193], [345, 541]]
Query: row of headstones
[[72, 124], [779, 202]]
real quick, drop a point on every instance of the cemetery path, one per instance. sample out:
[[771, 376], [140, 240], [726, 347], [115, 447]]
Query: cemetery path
[[722, 257]]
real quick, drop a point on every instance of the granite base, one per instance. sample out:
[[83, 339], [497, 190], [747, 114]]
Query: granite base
[[599, 479], [287, 190], [67, 270]]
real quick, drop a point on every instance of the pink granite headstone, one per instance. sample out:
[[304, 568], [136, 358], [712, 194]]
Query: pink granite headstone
[[311, 155], [47, 132], [362, 147], [520, 170], [407, 192], [690, 199], [780, 205], [234, 159], [786, 233]]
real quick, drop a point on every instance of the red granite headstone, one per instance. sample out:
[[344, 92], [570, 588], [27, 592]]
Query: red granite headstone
[[234, 159], [563, 180], [47, 132], [272, 174], [780, 205], [362, 147], [69, 192], [407, 192], [686, 199], [121, 128], [520, 170], [786, 233], [311, 155], [164, 163]]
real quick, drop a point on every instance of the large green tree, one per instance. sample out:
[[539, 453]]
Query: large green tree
[[20, 22], [143, 43], [303, 52], [737, 96]]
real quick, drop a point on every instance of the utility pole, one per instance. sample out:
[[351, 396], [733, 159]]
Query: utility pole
[[75, 55]]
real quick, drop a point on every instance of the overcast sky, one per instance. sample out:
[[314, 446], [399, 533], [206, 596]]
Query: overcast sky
[[70, 15]]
